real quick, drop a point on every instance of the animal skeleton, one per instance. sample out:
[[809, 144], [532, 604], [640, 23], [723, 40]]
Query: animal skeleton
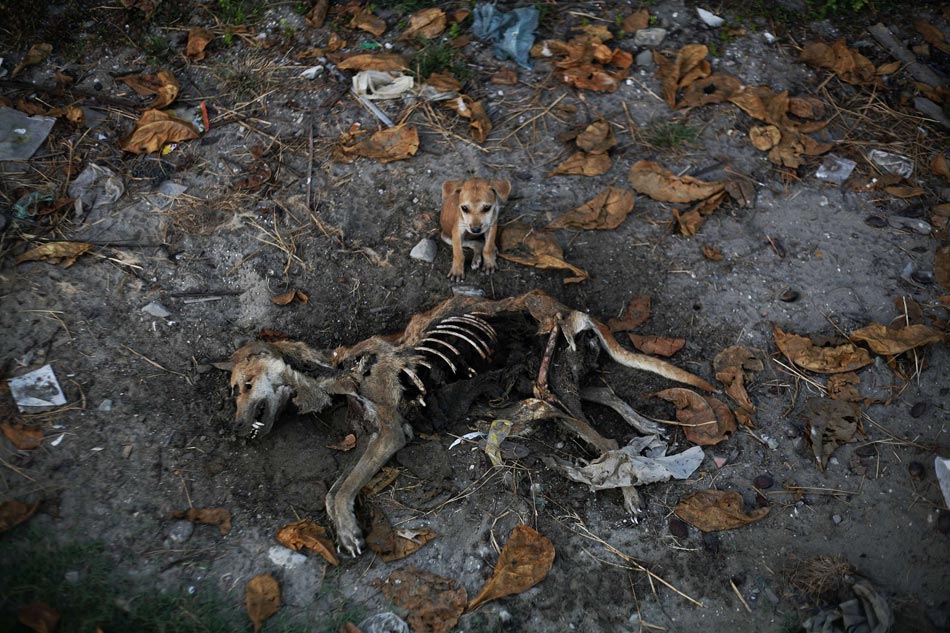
[[379, 373]]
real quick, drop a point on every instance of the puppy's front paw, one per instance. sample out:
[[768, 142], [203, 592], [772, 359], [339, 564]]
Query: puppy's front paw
[[350, 543], [490, 263], [457, 273], [476, 260]]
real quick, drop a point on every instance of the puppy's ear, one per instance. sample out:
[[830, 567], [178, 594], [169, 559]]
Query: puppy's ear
[[501, 188], [449, 187]]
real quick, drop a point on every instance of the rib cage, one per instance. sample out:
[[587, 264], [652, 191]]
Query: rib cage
[[455, 348]]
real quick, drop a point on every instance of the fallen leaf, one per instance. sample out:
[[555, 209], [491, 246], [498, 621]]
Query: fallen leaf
[[741, 190], [523, 245], [597, 138], [659, 345], [596, 32], [733, 367], [607, 211], [826, 360], [390, 544], [830, 423], [525, 560], [39, 617], [932, 35], [716, 88], [306, 533], [639, 19], [714, 510], [634, 315], [480, 124], [154, 130], [443, 82], [198, 39], [764, 137], [386, 145], [337, 43], [889, 341], [591, 77], [262, 597], [712, 253], [434, 603], [889, 68], [806, 107], [942, 266], [348, 443], [13, 513], [207, 516], [71, 113], [904, 192], [289, 297], [366, 21], [940, 166], [427, 23], [689, 65], [36, 54], [24, 437], [381, 481], [162, 84], [621, 59], [706, 421], [661, 184], [56, 252], [317, 15], [850, 65], [690, 221], [377, 61], [505, 77], [842, 387], [583, 164]]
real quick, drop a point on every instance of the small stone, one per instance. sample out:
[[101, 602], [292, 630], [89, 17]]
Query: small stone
[[709, 18], [719, 461], [425, 250], [678, 528], [652, 37], [837, 519], [286, 558], [645, 59], [916, 470], [181, 531], [763, 482], [156, 309], [105, 406], [918, 409], [789, 296]]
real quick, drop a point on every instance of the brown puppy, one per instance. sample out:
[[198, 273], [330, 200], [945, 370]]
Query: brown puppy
[[470, 210]]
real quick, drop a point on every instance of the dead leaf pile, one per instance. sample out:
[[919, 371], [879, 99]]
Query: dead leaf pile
[[390, 544], [387, 145], [306, 533], [525, 560], [706, 420], [426, 23], [848, 64], [207, 516], [479, 124], [262, 597], [714, 510], [822, 359], [659, 183], [591, 159], [606, 211], [689, 65], [161, 84], [56, 252], [891, 341], [734, 366], [524, 245], [434, 603], [154, 130], [585, 60]]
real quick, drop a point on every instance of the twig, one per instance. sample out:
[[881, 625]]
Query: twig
[[156, 365], [739, 595]]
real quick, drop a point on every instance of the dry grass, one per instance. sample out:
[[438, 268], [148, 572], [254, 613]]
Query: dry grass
[[822, 578]]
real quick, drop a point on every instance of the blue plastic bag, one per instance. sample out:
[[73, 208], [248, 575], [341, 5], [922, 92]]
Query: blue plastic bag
[[511, 33]]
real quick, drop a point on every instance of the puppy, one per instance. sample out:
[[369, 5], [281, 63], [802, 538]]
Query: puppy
[[470, 211]]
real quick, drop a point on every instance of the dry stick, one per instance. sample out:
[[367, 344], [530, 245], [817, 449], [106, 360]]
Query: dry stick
[[534, 118], [310, 168], [154, 364], [541, 391], [739, 595]]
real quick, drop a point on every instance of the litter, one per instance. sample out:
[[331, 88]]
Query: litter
[[386, 622], [312, 72], [58, 440], [474, 435], [28, 205], [892, 163], [94, 189], [155, 309], [467, 291], [496, 435], [912, 224], [511, 33], [378, 84], [835, 169], [709, 18], [166, 193], [866, 610], [942, 466], [37, 391], [22, 135]]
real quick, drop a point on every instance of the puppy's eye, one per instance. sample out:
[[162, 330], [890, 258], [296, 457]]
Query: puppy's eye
[[464, 208], [486, 208], [248, 386]]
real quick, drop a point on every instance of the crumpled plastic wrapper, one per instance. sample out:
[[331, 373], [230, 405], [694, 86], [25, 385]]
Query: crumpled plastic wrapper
[[511, 33], [378, 84], [95, 188], [642, 461], [867, 612]]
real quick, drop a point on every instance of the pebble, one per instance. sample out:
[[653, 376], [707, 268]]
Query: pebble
[[425, 250], [105, 406], [789, 296], [916, 470], [181, 531], [286, 558], [763, 482], [156, 309], [837, 519], [649, 37], [645, 59], [678, 528], [918, 409]]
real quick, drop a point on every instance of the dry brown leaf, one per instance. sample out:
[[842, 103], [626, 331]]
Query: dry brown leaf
[[377, 61], [591, 77], [843, 387], [306, 533], [523, 245], [712, 253], [480, 124], [889, 68], [940, 166], [634, 315], [689, 65], [661, 184], [290, 297], [36, 54], [706, 421], [942, 266], [825, 360], [690, 221], [56, 252], [658, 345], [348, 443], [366, 21], [318, 14], [806, 107], [741, 190], [904, 192], [386, 145], [583, 164], [262, 597], [337, 43], [207, 516], [427, 23], [830, 423], [524, 562], [434, 603], [444, 82], [71, 113], [888, 341], [621, 59], [850, 65], [765, 137], [390, 544], [597, 138], [24, 437], [39, 617], [162, 84], [198, 40], [505, 77], [154, 129], [932, 35], [607, 211], [639, 19], [733, 366], [714, 510], [716, 88], [13, 513], [381, 480]]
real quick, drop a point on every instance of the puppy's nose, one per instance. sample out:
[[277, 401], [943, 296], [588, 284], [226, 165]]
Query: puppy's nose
[[475, 230]]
